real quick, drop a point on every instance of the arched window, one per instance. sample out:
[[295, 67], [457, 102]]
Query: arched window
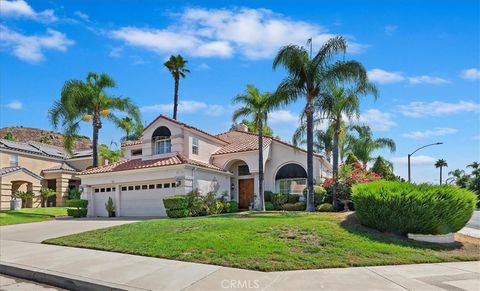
[[161, 140], [291, 179]]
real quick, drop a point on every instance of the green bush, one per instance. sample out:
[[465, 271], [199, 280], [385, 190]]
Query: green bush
[[325, 207], [278, 199], [178, 213], [77, 212], [299, 206], [78, 203], [268, 196], [319, 194], [293, 198], [195, 203], [403, 208], [175, 202], [231, 206], [268, 206], [74, 193]]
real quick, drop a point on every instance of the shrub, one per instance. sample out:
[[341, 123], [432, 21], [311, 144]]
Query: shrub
[[110, 207], [216, 208], [177, 213], [195, 203], [77, 212], [407, 208], [299, 206], [319, 194], [231, 206], [268, 206], [78, 203], [268, 196], [74, 193], [293, 198], [175, 202], [278, 199], [325, 207], [45, 193]]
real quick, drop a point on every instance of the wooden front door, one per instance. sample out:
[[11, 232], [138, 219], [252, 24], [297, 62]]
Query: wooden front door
[[245, 193]]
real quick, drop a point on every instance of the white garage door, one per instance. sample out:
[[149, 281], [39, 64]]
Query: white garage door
[[100, 198], [145, 200]]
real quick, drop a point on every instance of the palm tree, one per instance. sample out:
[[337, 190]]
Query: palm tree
[[176, 66], [363, 145], [256, 105], [440, 164], [459, 177], [87, 100], [309, 77], [475, 168], [322, 140], [130, 126]]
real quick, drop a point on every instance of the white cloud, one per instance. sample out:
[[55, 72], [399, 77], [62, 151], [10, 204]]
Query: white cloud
[[427, 80], [82, 15], [14, 104], [20, 8], [471, 74], [390, 29], [186, 106], [384, 77], [439, 131], [30, 47], [414, 160], [282, 116], [252, 33], [437, 108], [377, 120], [203, 67]]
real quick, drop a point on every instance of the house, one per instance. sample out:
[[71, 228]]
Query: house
[[33, 165], [174, 158]]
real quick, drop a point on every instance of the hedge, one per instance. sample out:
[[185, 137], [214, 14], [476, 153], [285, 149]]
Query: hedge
[[267, 196], [325, 207], [175, 202], [403, 208], [77, 212], [231, 206], [319, 194], [293, 198], [278, 199], [299, 206], [78, 203], [268, 206], [178, 213]]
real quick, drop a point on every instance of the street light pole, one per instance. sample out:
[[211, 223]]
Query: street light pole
[[410, 155]]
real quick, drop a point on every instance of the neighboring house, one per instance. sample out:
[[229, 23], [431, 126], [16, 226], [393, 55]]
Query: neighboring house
[[33, 165], [174, 158]]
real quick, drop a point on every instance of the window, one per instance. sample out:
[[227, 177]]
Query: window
[[13, 160], [137, 152], [163, 145], [109, 190], [97, 190], [130, 188], [124, 188], [166, 185], [152, 186], [243, 170], [102, 190], [195, 146], [174, 185], [159, 186], [137, 187], [144, 187], [293, 186]]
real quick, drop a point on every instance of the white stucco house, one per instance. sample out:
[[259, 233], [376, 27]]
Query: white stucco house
[[174, 158]]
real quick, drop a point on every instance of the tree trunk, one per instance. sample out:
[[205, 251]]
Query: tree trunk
[[440, 175], [260, 166], [97, 124], [335, 164], [175, 98], [310, 196]]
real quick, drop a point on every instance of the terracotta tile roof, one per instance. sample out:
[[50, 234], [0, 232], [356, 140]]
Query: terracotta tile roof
[[136, 164], [132, 142], [239, 141], [184, 125]]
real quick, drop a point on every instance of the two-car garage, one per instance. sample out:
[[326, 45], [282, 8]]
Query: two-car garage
[[134, 199]]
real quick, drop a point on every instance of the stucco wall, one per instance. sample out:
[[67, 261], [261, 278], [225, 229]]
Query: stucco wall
[[34, 163]]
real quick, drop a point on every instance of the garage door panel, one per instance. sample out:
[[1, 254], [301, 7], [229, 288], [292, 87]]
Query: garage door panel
[[100, 199], [144, 202]]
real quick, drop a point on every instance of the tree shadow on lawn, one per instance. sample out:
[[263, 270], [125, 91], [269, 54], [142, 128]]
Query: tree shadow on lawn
[[26, 214], [352, 225]]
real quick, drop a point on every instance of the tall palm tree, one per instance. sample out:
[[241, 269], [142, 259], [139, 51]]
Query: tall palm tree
[[257, 106], [459, 177], [88, 101], [440, 164], [130, 126], [308, 77], [475, 168], [363, 145], [176, 66], [322, 140], [341, 102]]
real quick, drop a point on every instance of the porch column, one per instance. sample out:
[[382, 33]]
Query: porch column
[[117, 200], [5, 195], [87, 194], [62, 190], [37, 198]]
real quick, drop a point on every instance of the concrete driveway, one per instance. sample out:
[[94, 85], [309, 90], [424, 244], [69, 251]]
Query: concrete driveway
[[39, 231], [475, 220]]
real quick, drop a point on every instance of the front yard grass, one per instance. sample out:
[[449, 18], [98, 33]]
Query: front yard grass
[[26, 215], [270, 241]]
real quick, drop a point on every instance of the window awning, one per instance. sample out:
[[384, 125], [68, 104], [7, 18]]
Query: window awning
[[291, 171]]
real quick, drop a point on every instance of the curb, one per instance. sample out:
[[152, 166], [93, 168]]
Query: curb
[[57, 279]]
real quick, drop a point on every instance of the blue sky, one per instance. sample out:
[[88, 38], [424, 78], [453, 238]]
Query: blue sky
[[424, 58]]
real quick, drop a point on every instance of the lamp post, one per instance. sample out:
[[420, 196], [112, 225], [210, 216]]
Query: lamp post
[[410, 155]]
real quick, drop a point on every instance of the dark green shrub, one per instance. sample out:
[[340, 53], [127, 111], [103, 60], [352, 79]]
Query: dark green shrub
[[407, 208], [325, 207], [299, 206], [293, 198], [319, 194], [278, 199], [231, 206], [268, 196], [195, 203], [77, 212], [268, 206], [74, 193], [178, 213], [175, 202], [78, 203]]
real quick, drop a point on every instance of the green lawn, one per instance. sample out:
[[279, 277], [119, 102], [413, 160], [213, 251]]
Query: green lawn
[[268, 241], [26, 215]]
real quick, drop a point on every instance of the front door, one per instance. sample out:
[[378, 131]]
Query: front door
[[245, 193]]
